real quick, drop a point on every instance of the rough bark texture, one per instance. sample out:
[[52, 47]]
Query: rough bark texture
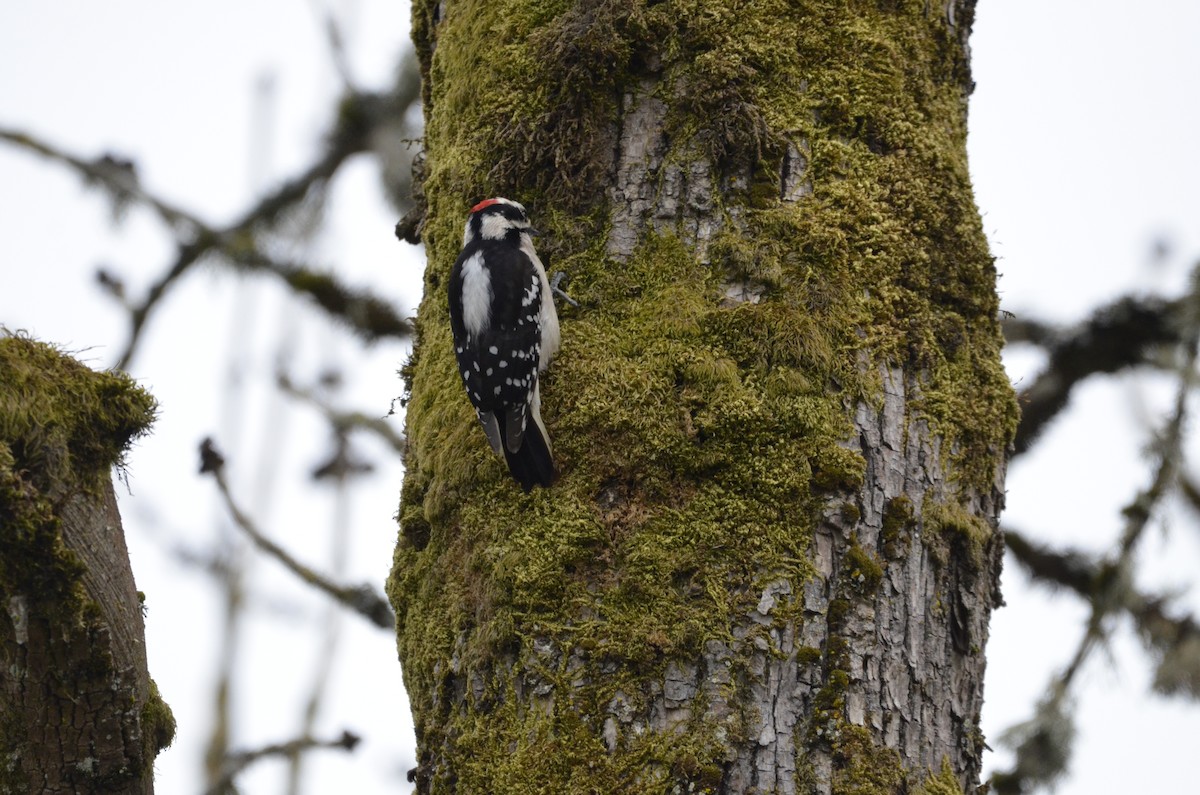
[[78, 711], [780, 412]]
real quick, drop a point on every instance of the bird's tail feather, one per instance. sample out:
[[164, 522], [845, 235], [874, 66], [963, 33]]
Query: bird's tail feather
[[532, 464]]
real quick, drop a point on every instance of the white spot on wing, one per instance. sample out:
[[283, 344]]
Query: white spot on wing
[[531, 292], [548, 316]]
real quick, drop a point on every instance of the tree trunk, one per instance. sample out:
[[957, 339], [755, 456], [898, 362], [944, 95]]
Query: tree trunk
[[779, 411], [78, 710]]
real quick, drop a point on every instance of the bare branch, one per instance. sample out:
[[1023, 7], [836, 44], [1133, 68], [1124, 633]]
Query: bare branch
[[344, 420], [1116, 337], [1034, 332], [236, 763], [350, 137], [362, 599], [116, 175], [335, 41], [1073, 570], [1117, 582], [1175, 639], [372, 318], [1043, 743]]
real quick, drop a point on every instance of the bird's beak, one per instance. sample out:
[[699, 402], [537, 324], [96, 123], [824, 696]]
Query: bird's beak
[[529, 230]]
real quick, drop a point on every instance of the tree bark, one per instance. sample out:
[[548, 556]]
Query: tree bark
[[779, 411], [78, 710]]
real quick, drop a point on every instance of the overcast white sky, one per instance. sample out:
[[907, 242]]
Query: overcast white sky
[[1082, 146], [1083, 131]]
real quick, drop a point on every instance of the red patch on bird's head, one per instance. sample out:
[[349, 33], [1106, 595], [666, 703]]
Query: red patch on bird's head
[[483, 204]]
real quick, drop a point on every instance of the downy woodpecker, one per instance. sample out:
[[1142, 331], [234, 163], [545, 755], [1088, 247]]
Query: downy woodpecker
[[505, 333]]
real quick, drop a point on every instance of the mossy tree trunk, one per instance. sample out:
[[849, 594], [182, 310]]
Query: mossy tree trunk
[[779, 411], [78, 710]]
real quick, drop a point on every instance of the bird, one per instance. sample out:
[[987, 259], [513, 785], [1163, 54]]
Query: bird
[[505, 332]]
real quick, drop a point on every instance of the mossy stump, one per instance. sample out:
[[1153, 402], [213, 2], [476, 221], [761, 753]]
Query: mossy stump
[[78, 711]]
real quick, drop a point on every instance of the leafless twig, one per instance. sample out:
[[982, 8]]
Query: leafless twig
[[116, 175], [362, 599], [1122, 335], [236, 763], [358, 115], [344, 420]]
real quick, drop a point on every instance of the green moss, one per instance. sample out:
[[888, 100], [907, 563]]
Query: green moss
[[861, 767], [829, 707], [898, 523], [556, 751], [62, 422], [944, 783], [952, 530], [836, 614], [32, 553], [808, 655], [62, 429], [158, 726], [863, 573]]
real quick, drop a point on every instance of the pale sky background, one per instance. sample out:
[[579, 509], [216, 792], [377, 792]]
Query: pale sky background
[[1083, 130]]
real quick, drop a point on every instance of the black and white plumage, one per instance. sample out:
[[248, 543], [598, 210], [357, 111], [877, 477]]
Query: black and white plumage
[[505, 333]]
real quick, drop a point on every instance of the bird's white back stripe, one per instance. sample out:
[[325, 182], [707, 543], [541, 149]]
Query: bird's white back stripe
[[476, 295]]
